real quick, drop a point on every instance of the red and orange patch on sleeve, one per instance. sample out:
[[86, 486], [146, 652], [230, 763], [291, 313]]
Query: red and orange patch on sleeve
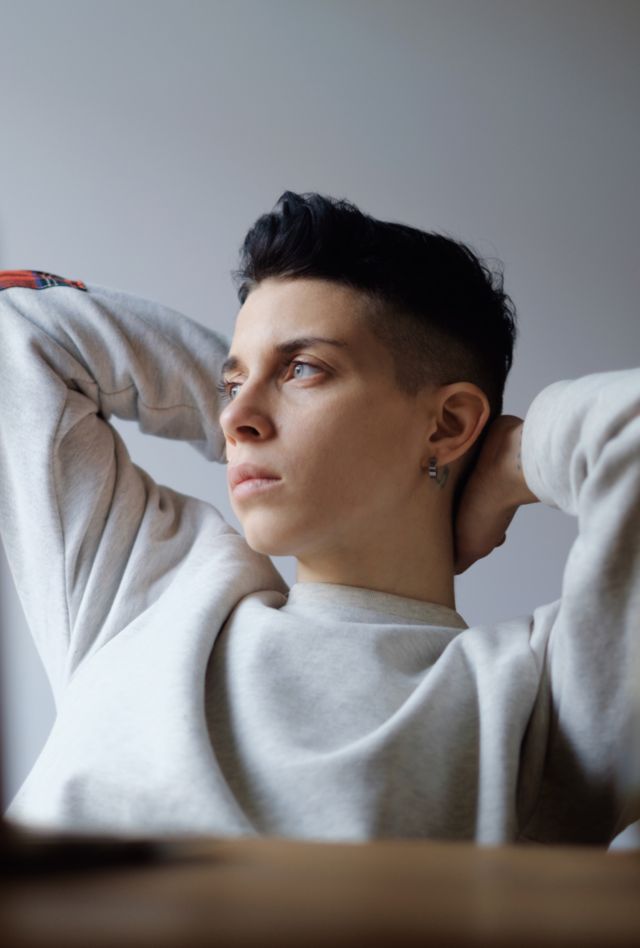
[[36, 280]]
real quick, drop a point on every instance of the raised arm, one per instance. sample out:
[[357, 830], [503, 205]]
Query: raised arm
[[578, 450], [90, 538]]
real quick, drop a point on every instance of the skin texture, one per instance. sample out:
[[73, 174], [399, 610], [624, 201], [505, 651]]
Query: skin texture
[[355, 504]]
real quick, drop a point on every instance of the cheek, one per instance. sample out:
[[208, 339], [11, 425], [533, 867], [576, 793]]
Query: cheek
[[350, 453]]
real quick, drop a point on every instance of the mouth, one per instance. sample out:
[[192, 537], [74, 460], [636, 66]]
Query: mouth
[[245, 480], [254, 485]]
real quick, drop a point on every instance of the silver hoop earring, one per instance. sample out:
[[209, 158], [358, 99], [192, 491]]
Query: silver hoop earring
[[433, 467]]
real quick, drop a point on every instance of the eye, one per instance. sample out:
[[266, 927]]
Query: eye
[[303, 365], [226, 390]]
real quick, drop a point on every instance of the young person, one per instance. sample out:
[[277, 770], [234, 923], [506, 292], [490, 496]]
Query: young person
[[359, 408]]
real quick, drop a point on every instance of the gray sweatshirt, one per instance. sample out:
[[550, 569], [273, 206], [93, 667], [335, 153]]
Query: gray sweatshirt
[[196, 693]]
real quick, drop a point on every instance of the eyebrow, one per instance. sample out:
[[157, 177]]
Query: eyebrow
[[286, 348]]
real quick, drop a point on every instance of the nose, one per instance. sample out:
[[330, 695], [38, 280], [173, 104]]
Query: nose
[[246, 418]]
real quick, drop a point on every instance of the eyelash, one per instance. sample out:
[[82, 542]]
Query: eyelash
[[224, 387]]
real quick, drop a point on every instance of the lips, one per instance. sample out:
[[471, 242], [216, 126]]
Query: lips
[[246, 472]]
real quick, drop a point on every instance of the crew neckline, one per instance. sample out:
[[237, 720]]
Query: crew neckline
[[334, 597]]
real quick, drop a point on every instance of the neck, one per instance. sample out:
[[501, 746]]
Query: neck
[[414, 560]]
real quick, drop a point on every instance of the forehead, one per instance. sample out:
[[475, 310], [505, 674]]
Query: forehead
[[278, 308]]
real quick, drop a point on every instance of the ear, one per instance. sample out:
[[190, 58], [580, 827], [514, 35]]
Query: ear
[[459, 412]]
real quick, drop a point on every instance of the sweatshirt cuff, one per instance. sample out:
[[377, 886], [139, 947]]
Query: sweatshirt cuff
[[535, 440]]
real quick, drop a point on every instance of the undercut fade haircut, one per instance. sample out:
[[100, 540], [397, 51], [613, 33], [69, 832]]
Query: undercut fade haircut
[[438, 307]]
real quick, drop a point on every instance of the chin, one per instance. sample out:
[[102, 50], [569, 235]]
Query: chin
[[269, 548], [270, 542]]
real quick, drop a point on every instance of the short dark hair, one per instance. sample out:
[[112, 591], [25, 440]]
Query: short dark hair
[[435, 303]]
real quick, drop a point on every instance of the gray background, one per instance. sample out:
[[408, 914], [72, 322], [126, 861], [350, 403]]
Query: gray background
[[140, 140]]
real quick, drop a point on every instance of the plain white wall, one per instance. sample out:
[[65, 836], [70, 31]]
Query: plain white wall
[[142, 139]]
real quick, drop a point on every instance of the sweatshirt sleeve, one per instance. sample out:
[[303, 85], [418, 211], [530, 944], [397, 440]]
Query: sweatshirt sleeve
[[73, 506], [581, 454]]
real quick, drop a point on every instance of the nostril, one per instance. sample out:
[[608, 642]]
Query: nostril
[[247, 430]]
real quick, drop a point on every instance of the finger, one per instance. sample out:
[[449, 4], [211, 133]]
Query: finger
[[463, 564]]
